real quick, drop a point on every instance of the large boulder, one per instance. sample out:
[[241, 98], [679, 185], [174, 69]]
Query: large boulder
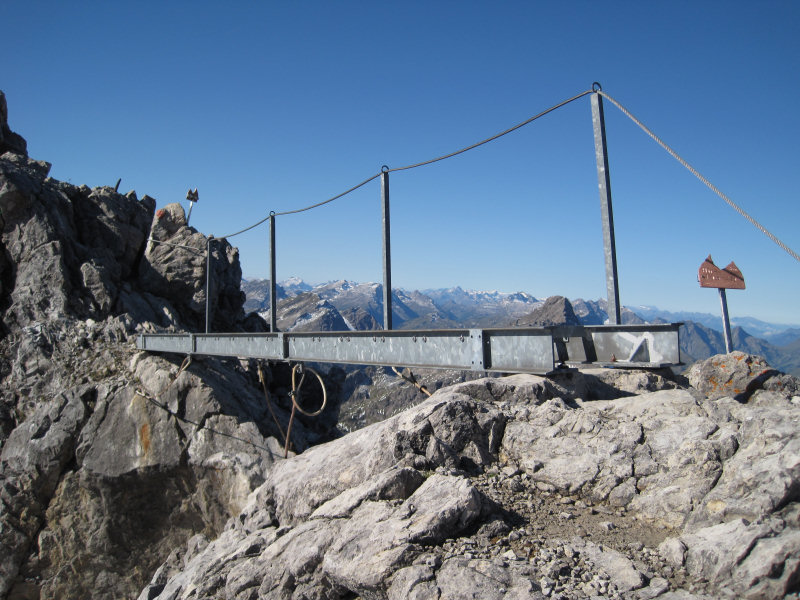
[[174, 266], [739, 376], [345, 516]]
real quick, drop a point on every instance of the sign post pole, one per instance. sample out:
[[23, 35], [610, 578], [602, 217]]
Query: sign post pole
[[711, 276]]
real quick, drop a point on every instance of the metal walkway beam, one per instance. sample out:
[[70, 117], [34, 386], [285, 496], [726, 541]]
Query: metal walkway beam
[[538, 350]]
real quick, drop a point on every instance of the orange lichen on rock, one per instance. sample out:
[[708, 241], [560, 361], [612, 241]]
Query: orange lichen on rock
[[144, 437]]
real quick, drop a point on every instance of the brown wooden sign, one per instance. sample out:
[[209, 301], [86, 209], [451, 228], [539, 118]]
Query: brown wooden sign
[[711, 276]]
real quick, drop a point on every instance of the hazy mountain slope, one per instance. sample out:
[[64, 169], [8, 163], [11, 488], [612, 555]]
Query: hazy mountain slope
[[257, 292]]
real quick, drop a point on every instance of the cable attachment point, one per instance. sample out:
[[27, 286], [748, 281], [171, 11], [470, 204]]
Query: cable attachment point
[[385, 169], [596, 87]]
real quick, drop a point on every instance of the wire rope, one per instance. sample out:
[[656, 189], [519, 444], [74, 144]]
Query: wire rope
[[412, 166], [697, 174], [494, 137], [155, 241]]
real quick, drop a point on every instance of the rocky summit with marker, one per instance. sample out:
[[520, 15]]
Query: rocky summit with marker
[[127, 474]]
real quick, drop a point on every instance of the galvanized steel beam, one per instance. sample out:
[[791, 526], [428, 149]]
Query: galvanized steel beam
[[517, 350]]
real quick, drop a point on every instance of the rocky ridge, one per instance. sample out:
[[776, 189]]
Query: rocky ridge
[[110, 459]]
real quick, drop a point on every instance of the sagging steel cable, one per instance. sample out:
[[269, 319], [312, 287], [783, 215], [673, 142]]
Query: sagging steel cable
[[494, 137], [294, 394], [412, 166], [299, 210], [697, 174]]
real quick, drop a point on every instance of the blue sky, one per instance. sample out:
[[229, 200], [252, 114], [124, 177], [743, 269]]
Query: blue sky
[[275, 106]]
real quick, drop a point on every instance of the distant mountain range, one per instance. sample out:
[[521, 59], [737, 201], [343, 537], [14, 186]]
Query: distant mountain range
[[343, 305]]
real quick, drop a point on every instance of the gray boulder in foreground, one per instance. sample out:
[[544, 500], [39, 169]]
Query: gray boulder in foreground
[[499, 488]]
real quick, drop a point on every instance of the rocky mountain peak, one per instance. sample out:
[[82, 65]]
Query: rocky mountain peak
[[556, 310]]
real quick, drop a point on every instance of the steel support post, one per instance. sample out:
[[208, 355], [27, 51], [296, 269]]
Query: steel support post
[[387, 252], [208, 285], [273, 297], [607, 213], [726, 324]]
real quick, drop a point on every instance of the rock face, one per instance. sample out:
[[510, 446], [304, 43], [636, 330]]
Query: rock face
[[9, 141], [518, 488], [308, 312], [110, 460]]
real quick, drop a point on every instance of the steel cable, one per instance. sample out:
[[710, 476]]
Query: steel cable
[[694, 172], [155, 241], [494, 137], [413, 166]]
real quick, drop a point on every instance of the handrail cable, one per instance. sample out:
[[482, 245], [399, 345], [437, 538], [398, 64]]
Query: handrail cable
[[694, 172], [412, 166], [155, 241], [494, 137]]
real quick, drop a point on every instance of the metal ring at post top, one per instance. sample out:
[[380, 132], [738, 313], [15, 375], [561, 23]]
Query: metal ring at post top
[[385, 169], [596, 87], [272, 213]]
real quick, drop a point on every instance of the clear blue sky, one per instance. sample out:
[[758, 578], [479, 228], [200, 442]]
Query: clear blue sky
[[277, 105]]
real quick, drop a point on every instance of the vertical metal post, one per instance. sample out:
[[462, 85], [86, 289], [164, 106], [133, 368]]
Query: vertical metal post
[[273, 298], [387, 251], [208, 285], [726, 323], [607, 213]]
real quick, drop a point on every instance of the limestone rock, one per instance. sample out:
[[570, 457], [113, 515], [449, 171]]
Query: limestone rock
[[9, 141], [174, 266], [736, 375], [105, 469], [31, 462]]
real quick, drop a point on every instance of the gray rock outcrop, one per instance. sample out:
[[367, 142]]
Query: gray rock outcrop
[[519, 488], [109, 460], [9, 141]]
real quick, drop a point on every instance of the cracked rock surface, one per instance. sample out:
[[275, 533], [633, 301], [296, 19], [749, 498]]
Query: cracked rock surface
[[518, 488], [109, 460]]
